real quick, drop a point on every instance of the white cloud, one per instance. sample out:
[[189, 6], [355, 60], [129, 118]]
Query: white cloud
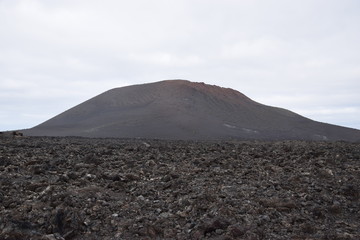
[[165, 59], [329, 111], [264, 47]]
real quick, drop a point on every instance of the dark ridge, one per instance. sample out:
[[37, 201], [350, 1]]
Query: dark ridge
[[184, 110]]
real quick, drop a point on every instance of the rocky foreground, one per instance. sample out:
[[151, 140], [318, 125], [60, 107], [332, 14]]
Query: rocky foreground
[[77, 188]]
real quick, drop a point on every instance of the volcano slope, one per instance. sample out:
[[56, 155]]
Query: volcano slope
[[183, 110], [81, 189]]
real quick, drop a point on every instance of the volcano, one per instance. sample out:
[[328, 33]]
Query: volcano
[[184, 110]]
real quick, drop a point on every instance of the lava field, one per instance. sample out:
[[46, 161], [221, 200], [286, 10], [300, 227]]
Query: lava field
[[54, 188]]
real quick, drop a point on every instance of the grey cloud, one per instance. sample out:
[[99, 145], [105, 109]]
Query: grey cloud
[[299, 55]]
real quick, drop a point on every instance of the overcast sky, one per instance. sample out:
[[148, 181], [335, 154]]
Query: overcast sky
[[300, 55]]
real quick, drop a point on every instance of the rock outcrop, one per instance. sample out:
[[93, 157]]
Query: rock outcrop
[[78, 188]]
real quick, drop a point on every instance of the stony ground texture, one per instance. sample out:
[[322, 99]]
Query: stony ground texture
[[76, 188]]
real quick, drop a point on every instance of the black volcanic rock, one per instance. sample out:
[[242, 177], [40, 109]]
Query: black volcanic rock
[[110, 189], [179, 109]]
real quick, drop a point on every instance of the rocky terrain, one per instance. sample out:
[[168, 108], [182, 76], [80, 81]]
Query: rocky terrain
[[79, 188]]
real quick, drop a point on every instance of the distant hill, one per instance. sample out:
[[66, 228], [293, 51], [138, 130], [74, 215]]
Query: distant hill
[[180, 109]]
